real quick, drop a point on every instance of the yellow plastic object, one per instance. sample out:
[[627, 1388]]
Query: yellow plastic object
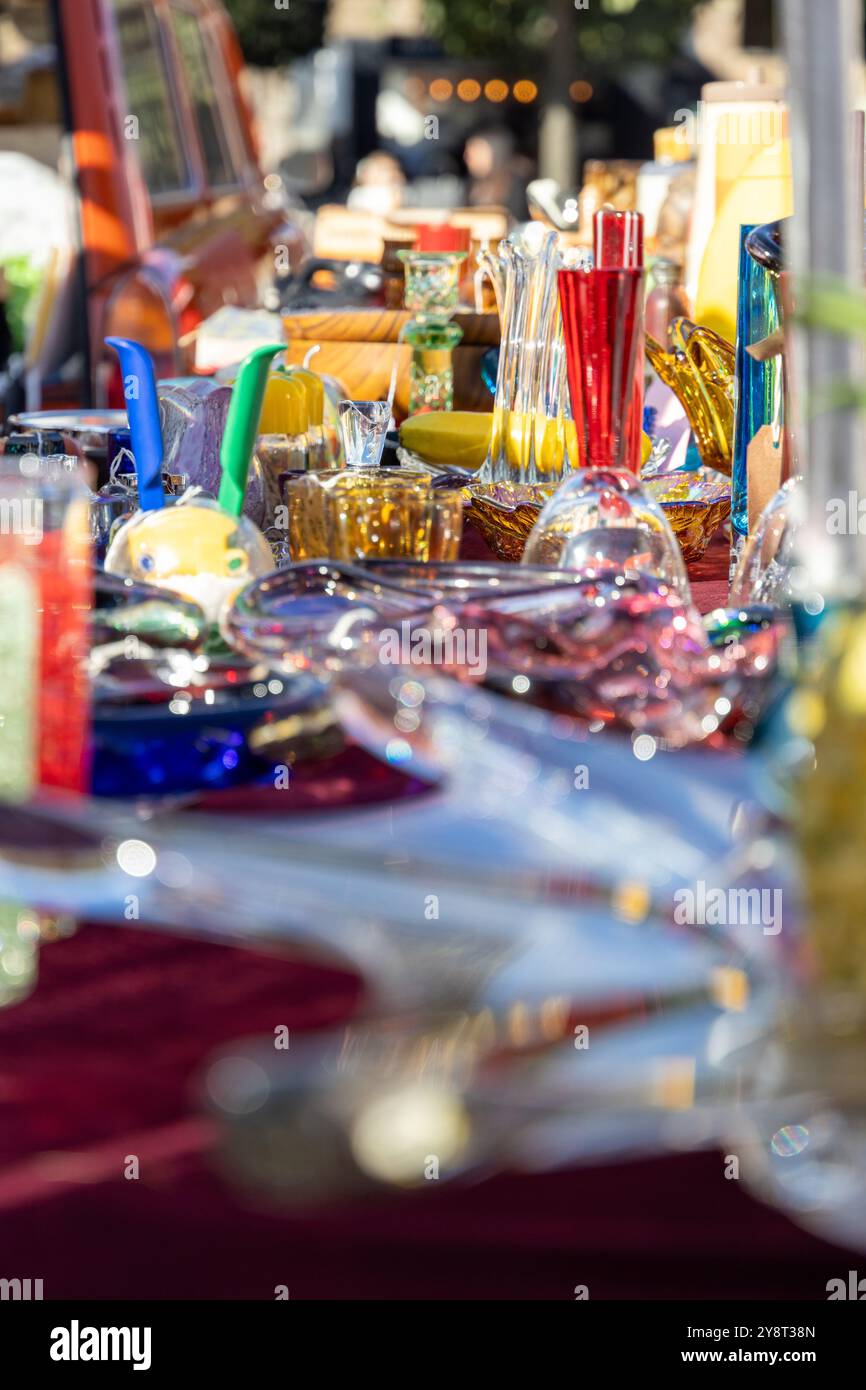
[[762, 192], [194, 548], [461, 437], [284, 409], [699, 369], [314, 389]]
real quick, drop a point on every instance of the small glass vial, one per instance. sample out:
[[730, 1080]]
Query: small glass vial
[[667, 300]]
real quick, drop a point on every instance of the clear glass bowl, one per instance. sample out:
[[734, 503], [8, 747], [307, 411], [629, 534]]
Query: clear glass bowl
[[624, 651], [603, 522]]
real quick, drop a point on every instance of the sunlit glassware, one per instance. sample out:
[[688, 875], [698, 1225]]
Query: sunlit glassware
[[759, 393], [698, 365], [387, 513], [363, 426]]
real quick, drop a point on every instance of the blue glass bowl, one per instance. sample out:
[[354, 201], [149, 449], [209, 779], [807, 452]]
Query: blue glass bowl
[[231, 725]]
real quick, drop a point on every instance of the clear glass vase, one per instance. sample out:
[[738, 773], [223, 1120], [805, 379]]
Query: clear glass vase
[[532, 438]]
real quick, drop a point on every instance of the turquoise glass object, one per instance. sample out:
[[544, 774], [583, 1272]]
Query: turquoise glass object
[[757, 384]]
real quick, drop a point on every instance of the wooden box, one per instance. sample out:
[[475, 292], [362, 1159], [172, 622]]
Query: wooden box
[[359, 347]]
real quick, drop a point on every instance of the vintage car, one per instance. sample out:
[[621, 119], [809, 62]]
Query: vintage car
[[131, 199]]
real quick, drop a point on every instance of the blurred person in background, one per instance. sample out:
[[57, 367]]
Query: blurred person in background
[[379, 184], [497, 174]]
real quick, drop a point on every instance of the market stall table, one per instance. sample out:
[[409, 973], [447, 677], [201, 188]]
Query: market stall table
[[104, 1060]]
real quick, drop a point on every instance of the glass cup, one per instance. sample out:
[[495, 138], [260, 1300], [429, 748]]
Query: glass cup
[[446, 523], [341, 514], [363, 426]]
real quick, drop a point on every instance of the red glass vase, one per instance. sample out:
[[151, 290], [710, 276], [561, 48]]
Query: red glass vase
[[618, 245], [602, 320]]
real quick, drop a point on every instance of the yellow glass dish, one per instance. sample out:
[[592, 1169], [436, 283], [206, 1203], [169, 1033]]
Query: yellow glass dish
[[698, 366]]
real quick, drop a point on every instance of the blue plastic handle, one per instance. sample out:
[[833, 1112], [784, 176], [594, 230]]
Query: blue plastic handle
[[142, 408]]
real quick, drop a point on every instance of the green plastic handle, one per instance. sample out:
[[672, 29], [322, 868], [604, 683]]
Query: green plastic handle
[[242, 424]]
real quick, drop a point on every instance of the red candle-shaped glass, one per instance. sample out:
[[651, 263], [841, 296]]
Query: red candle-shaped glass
[[601, 521], [618, 245], [601, 318]]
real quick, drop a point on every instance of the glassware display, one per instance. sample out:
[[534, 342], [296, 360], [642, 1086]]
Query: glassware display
[[85, 432], [431, 295], [445, 505], [349, 514], [623, 650], [45, 540], [172, 723], [125, 608], [758, 392], [284, 621], [505, 513], [529, 442], [602, 314], [765, 245], [363, 426], [19, 661], [194, 411], [695, 505], [699, 367], [281, 444]]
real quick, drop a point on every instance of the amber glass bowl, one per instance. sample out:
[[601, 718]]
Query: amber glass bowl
[[696, 504]]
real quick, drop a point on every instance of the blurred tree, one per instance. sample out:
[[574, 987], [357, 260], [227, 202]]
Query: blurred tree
[[606, 33], [272, 36]]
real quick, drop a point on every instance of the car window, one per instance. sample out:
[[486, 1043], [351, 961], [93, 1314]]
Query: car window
[[149, 100], [204, 98]]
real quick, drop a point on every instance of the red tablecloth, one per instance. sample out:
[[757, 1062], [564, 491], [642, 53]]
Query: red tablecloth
[[104, 1060], [709, 575]]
